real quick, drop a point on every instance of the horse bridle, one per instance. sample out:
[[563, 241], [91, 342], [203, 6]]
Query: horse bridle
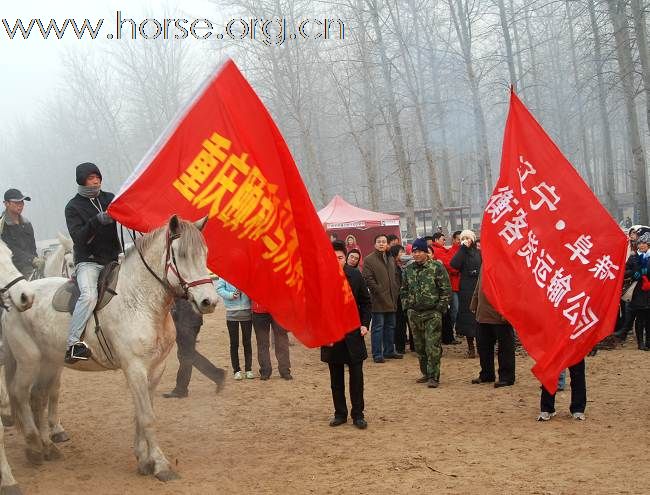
[[6, 288], [171, 264]]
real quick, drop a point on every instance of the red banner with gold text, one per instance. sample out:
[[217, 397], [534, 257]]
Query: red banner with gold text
[[225, 158], [553, 257]]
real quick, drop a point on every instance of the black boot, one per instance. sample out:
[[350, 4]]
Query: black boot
[[639, 338]]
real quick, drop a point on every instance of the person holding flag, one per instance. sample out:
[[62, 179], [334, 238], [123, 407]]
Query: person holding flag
[[542, 257]]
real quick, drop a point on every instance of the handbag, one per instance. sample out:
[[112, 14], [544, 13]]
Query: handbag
[[627, 293]]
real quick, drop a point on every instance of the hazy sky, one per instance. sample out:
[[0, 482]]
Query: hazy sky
[[30, 68]]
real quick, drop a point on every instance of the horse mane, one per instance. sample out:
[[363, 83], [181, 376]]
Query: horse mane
[[190, 241]]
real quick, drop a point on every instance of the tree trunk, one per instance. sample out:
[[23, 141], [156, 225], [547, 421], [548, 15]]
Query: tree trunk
[[578, 88], [508, 43], [618, 17], [642, 42], [607, 169], [395, 129]]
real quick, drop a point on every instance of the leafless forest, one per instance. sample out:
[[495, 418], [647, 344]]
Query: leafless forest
[[401, 111]]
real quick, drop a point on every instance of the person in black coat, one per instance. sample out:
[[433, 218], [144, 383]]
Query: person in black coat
[[636, 268], [467, 261], [94, 236], [350, 350]]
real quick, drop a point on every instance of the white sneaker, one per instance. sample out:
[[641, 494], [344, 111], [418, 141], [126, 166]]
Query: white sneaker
[[579, 416], [250, 375], [545, 416], [239, 376]]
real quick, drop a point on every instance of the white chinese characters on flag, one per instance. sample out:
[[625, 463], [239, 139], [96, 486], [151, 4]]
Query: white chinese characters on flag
[[553, 257]]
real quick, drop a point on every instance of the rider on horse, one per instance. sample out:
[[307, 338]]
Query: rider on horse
[[96, 244]]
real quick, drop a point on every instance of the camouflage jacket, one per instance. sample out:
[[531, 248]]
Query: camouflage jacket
[[426, 287]]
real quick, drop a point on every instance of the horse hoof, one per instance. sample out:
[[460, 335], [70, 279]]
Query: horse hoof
[[60, 437], [34, 456], [7, 421], [167, 475], [146, 468], [53, 453], [10, 490]]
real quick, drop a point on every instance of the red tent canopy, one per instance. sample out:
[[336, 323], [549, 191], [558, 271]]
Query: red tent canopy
[[341, 215], [356, 226]]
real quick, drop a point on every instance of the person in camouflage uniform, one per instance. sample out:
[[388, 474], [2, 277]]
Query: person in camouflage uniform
[[425, 295]]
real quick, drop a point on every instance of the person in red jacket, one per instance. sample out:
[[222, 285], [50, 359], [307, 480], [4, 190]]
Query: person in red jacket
[[445, 254]]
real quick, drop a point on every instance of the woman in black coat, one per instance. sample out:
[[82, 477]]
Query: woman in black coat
[[636, 268], [350, 350], [468, 262]]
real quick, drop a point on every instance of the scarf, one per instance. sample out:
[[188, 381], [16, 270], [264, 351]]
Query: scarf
[[89, 191]]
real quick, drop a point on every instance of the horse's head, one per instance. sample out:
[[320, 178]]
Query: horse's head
[[13, 283], [68, 265], [185, 263]]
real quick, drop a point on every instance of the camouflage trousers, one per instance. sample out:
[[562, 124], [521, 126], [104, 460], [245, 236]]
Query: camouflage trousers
[[427, 331]]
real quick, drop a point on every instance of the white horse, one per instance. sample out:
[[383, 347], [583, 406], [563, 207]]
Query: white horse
[[15, 294], [171, 261], [60, 262]]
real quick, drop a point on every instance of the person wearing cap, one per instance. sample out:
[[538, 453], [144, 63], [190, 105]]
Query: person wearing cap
[[425, 295], [18, 234], [94, 235]]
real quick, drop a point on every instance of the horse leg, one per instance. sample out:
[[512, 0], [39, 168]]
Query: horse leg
[[151, 454], [21, 391], [5, 407], [40, 399], [8, 485], [58, 433]]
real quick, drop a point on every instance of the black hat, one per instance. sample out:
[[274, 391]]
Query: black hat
[[84, 170], [15, 195]]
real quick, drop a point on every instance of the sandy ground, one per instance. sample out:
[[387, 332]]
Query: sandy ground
[[273, 437]]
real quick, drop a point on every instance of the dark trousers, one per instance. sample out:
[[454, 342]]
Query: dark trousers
[[487, 336], [188, 356], [578, 391], [337, 379], [263, 323], [401, 324], [641, 318], [233, 332], [447, 328], [624, 321]]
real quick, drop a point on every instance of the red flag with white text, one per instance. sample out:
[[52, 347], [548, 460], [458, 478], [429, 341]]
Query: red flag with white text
[[225, 158], [553, 257]]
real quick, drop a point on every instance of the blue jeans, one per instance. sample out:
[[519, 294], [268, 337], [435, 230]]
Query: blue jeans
[[382, 334], [87, 274], [453, 308]]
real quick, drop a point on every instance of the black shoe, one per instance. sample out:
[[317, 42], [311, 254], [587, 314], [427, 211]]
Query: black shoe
[[286, 376], [433, 383], [78, 351], [338, 421], [500, 384], [265, 377], [360, 423], [174, 394], [480, 380], [395, 356], [379, 360]]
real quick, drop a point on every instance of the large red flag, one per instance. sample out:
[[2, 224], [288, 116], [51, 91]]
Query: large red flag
[[553, 257], [224, 157]]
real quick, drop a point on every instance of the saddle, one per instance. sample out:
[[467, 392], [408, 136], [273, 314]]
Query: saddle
[[65, 298]]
